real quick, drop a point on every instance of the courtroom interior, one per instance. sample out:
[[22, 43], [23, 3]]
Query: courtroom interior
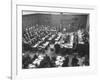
[[55, 39]]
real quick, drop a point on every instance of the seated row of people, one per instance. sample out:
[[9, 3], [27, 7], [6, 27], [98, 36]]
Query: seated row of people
[[38, 31], [36, 34], [57, 56], [44, 61]]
